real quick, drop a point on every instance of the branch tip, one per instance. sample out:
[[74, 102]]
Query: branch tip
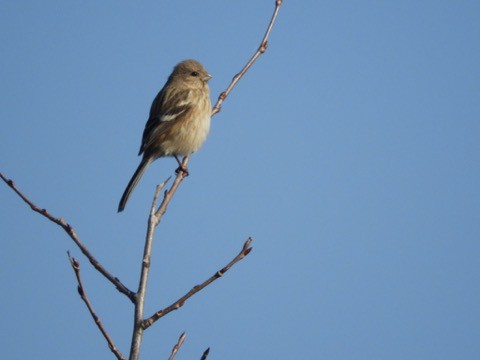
[[262, 48], [177, 346], [205, 354], [83, 295]]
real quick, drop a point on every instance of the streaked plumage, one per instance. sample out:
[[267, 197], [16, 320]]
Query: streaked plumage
[[179, 119]]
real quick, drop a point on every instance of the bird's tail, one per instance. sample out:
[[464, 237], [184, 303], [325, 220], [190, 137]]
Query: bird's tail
[[133, 182]]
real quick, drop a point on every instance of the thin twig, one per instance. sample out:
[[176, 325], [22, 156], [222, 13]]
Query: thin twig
[[73, 235], [81, 291], [162, 209], [180, 302], [177, 346], [261, 49], [205, 354]]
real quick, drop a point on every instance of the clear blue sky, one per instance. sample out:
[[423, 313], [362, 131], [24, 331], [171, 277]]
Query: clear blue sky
[[350, 152]]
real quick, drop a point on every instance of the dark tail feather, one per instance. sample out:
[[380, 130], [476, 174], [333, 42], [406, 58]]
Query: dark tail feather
[[133, 182]]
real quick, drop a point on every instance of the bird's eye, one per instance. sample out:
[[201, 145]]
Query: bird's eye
[[194, 73]]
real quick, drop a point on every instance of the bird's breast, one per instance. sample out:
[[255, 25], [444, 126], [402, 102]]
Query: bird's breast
[[189, 134]]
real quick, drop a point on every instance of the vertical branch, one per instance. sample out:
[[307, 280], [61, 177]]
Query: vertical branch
[[153, 221], [137, 335]]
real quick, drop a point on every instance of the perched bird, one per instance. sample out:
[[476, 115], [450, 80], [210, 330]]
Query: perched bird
[[179, 119]]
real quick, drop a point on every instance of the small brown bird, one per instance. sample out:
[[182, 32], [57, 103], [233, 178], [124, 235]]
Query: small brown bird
[[179, 119]]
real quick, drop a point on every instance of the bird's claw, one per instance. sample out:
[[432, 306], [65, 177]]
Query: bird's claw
[[182, 169]]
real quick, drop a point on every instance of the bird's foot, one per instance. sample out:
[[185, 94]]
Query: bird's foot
[[181, 168]]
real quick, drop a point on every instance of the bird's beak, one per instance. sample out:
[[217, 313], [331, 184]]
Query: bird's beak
[[207, 77]]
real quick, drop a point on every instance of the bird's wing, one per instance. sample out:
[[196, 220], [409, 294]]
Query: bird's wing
[[166, 109]]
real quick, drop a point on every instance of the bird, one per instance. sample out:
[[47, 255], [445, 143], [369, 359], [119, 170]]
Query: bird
[[179, 120]]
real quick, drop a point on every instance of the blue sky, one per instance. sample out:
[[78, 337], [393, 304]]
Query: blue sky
[[350, 153]]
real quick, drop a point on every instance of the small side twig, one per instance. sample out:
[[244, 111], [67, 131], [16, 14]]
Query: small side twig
[[167, 196], [177, 346], [180, 302], [261, 49], [73, 235], [81, 291]]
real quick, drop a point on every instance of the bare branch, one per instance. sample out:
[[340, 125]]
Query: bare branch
[[177, 346], [81, 291], [157, 194], [180, 302], [162, 209], [153, 221], [73, 235], [261, 49]]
